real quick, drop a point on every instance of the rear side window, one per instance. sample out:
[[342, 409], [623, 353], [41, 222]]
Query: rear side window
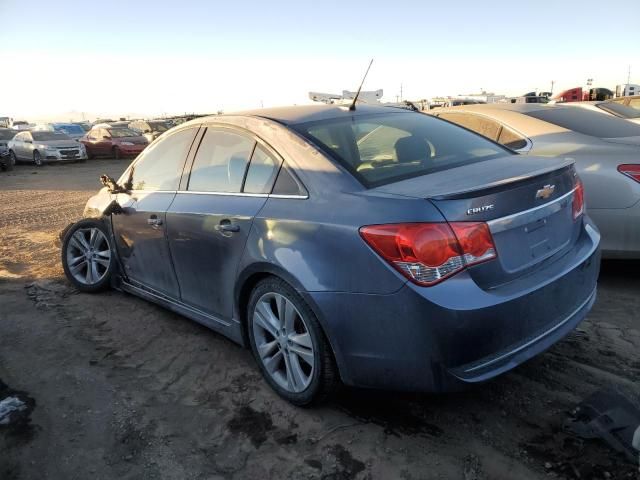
[[160, 166], [587, 122], [383, 148], [510, 139], [262, 172], [484, 126], [635, 103], [221, 162]]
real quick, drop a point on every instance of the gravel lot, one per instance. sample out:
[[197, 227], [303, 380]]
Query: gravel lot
[[120, 388]]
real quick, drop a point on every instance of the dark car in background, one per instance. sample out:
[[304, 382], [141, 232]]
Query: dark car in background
[[151, 129], [114, 142], [380, 247], [6, 161]]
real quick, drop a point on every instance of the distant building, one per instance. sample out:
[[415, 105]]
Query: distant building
[[627, 90]]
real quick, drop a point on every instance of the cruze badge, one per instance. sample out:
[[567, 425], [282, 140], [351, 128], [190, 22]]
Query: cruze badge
[[546, 191], [484, 208]]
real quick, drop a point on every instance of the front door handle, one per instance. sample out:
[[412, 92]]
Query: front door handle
[[154, 221], [226, 226]]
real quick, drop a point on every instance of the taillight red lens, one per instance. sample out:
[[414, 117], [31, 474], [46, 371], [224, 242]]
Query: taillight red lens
[[427, 253], [631, 171], [578, 200]]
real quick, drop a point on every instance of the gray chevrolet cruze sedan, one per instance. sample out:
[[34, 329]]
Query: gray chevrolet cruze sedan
[[376, 247]]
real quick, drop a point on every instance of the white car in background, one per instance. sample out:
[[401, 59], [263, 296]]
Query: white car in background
[[606, 150], [41, 147]]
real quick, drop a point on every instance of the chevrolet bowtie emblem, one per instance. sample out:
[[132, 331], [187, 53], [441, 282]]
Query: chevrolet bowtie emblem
[[546, 191]]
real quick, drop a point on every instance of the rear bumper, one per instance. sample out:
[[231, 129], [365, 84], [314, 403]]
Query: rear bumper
[[455, 333], [620, 230]]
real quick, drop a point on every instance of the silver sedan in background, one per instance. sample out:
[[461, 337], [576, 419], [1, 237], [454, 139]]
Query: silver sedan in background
[[606, 150], [43, 146]]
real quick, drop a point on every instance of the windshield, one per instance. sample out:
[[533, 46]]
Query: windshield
[[587, 122], [46, 136], [69, 129], [385, 148], [7, 134], [122, 132], [618, 110], [159, 126]]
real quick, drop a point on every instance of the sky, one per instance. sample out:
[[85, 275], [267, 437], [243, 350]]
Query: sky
[[148, 58]]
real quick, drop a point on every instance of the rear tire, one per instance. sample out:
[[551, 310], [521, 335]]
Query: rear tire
[[289, 345], [9, 162], [88, 258], [12, 158]]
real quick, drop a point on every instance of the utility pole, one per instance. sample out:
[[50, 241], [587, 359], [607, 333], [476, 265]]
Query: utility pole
[[553, 82], [629, 75], [401, 92]]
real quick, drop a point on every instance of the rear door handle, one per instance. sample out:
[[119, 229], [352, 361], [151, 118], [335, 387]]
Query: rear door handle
[[226, 226], [154, 221]]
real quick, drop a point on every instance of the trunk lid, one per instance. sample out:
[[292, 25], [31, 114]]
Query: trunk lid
[[526, 201]]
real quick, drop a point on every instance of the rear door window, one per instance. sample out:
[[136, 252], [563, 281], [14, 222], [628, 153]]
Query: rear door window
[[221, 162], [484, 126]]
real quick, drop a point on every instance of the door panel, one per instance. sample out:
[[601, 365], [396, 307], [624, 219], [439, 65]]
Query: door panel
[[205, 248], [141, 240]]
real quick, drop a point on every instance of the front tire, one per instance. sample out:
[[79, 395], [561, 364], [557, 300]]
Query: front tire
[[12, 158], [289, 345], [9, 163], [88, 259], [37, 158], [116, 153]]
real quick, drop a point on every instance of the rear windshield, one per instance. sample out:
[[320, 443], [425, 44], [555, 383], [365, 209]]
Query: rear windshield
[[159, 126], [587, 122], [619, 110], [123, 132], [45, 136], [384, 148], [71, 129]]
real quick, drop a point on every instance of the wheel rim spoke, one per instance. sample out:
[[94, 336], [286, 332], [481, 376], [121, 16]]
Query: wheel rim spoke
[[272, 363], [305, 354], [266, 318], [267, 348], [75, 269], [79, 237]]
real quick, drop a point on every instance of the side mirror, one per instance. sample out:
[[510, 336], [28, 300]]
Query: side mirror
[[111, 184], [147, 131], [28, 141], [105, 137]]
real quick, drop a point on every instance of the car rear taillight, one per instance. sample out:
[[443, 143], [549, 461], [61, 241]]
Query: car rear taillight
[[631, 171], [427, 253], [578, 199]]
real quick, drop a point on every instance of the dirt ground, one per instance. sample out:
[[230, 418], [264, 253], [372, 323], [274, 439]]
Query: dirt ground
[[119, 388]]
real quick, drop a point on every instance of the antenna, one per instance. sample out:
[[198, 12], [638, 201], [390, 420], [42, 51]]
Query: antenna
[[355, 99]]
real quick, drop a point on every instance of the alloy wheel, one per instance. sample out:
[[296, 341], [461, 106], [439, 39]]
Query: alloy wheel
[[37, 159], [283, 341], [88, 255]]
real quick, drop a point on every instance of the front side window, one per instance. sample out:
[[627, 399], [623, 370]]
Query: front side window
[[635, 103], [160, 165], [221, 162], [383, 148]]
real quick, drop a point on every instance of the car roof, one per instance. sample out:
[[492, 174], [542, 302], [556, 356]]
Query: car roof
[[308, 113]]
